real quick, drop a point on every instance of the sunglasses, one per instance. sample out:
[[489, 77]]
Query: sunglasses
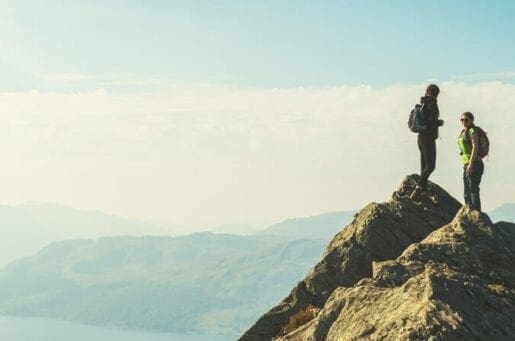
[[464, 120]]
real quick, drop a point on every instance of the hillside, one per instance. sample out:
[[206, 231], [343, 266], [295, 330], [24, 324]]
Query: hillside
[[456, 284], [320, 226], [28, 227], [505, 212], [394, 255], [200, 283]]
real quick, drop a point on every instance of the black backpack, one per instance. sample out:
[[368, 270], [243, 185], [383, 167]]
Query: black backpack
[[416, 120]]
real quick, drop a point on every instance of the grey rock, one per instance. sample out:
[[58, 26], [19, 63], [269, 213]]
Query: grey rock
[[380, 231]]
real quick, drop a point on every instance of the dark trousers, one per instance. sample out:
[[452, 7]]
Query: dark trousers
[[427, 147], [471, 184]]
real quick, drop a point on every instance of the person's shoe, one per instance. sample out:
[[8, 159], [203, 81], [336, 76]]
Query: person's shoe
[[415, 195], [430, 197]]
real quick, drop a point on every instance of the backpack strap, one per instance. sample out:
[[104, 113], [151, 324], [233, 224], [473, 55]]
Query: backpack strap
[[467, 133]]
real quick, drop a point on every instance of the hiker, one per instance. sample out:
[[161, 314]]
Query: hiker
[[473, 145], [426, 139]]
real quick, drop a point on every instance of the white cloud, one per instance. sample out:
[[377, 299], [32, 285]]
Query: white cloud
[[215, 154], [102, 80], [486, 76], [64, 77]]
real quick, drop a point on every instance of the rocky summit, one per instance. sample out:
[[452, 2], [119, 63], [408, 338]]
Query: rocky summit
[[404, 270]]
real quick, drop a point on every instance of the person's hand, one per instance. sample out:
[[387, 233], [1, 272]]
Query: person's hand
[[470, 169]]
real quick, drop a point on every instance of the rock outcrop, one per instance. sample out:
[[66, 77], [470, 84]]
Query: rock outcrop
[[379, 232], [457, 284]]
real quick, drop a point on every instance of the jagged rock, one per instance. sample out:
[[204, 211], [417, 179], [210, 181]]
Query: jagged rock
[[457, 284], [379, 232]]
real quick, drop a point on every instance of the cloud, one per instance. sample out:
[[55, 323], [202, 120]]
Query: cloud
[[64, 77], [103, 81], [213, 154], [95, 81], [486, 76]]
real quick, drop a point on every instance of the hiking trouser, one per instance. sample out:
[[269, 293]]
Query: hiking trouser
[[427, 147], [471, 185]]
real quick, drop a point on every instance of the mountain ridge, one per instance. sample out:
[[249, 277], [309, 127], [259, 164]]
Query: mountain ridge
[[378, 234], [454, 284], [326, 224], [199, 283]]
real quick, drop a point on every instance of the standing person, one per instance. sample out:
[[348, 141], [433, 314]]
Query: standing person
[[426, 140], [471, 152]]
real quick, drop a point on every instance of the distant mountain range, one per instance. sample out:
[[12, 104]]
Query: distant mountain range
[[319, 226], [199, 283], [504, 212], [27, 228]]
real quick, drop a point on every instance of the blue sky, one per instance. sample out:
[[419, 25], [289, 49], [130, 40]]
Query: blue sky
[[260, 43], [244, 110]]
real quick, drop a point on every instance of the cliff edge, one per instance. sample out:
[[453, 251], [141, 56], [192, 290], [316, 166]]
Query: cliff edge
[[379, 232], [456, 284]]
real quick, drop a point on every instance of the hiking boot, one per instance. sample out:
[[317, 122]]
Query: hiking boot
[[430, 197], [415, 195], [419, 194]]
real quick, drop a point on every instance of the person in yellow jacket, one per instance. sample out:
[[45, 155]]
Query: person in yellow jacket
[[473, 167]]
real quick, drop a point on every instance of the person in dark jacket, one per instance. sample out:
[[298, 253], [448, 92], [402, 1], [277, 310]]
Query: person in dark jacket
[[426, 140]]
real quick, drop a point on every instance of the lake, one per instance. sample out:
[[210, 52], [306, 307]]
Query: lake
[[42, 329]]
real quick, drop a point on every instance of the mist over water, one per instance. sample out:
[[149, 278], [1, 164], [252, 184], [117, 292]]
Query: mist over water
[[41, 329]]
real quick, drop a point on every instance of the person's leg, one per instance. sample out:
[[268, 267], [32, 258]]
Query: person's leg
[[429, 146], [416, 192], [431, 157], [422, 151], [466, 187], [475, 180]]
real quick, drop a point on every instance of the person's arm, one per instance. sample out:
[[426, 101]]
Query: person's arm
[[439, 122], [474, 138], [431, 113]]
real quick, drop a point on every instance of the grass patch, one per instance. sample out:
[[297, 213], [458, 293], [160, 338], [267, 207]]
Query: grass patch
[[302, 317]]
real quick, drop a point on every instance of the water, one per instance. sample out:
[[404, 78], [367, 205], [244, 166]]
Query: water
[[42, 329]]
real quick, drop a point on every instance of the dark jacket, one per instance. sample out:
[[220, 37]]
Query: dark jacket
[[431, 117]]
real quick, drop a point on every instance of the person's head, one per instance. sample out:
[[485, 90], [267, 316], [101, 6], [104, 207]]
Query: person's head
[[432, 90], [467, 119]]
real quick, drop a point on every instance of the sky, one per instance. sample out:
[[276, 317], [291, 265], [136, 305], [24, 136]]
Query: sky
[[205, 113]]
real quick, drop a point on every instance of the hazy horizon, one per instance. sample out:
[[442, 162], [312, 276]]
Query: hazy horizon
[[306, 156], [32, 226], [186, 113]]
